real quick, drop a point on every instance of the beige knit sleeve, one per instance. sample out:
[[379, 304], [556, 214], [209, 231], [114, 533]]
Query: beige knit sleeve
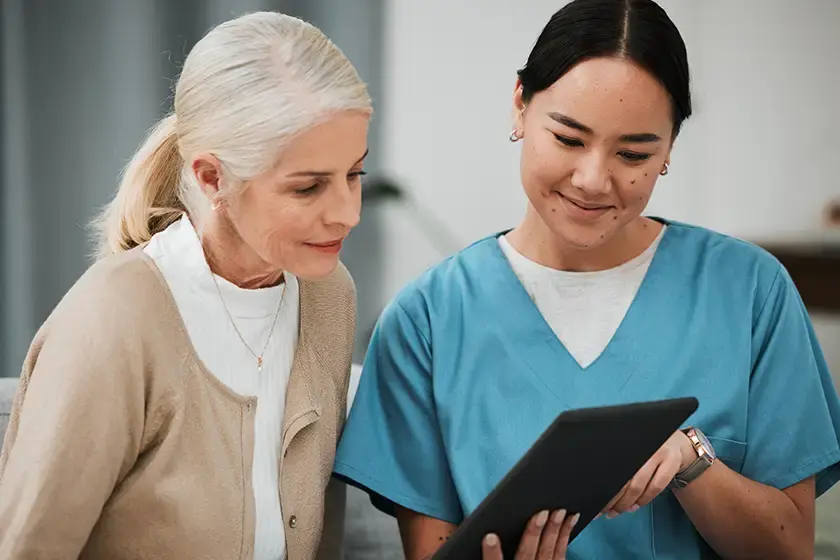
[[76, 427], [332, 535]]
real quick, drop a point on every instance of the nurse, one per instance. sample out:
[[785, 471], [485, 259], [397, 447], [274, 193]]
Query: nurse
[[588, 302]]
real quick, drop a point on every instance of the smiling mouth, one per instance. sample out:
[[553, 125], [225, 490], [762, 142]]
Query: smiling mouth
[[327, 244], [585, 205], [330, 248]]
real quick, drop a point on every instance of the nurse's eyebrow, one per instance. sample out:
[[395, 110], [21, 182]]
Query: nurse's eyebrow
[[639, 137]]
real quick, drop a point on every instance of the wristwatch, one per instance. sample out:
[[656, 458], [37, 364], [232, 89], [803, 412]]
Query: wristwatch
[[705, 458]]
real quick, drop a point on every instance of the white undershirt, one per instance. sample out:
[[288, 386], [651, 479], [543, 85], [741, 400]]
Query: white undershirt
[[584, 309], [178, 254]]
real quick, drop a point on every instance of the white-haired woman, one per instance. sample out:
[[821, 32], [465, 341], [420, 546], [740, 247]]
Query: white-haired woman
[[185, 398]]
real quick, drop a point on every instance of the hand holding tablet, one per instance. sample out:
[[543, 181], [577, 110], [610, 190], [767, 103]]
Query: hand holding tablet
[[578, 466], [545, 538]]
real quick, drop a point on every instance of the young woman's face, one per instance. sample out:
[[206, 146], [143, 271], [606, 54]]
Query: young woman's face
[[594, 144]]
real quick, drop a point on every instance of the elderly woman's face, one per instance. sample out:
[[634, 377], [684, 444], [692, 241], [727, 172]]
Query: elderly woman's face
[[296, 216]]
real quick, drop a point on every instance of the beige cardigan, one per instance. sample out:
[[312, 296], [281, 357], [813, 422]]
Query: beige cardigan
[[122, 445]]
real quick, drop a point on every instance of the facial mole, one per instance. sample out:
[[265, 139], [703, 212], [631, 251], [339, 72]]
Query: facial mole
[[554, 209], [633, 182], [615, 217]]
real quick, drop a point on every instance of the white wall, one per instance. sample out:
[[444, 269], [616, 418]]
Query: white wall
[[755, 160], [769, 95]]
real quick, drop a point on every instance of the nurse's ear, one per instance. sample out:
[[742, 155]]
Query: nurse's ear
[[518, 113]]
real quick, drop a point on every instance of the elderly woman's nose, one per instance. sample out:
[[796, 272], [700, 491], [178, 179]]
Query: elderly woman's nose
[[345, 206]]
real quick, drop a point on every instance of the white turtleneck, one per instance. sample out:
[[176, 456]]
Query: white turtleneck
[[178, 254]]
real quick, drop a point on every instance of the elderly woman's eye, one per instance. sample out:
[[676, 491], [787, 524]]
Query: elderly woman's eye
[[308, 190]]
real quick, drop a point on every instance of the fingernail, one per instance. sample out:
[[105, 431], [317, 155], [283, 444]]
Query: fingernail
[[635, 508], [541, 519], [611, 515], [491, 540], [575, 520], [559, 515], [597, 516]]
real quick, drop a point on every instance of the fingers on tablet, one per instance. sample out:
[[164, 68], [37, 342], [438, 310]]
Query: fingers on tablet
[[660, 481], [563, 537], [549, 540], [490, 548], [608, 509], [530, 542], [546, 537]]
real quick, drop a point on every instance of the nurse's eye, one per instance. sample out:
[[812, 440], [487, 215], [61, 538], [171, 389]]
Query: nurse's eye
[[570, 142], [634, 157]]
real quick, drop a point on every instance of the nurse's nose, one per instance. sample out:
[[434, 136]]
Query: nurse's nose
[[592, 175]]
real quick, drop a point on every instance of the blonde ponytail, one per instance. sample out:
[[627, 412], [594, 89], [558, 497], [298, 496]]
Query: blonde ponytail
[[148, 197], [246, 88]]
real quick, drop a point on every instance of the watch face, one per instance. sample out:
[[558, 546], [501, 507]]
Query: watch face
[[707, 446]]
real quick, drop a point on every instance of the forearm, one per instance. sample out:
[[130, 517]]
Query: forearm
[[422, 536], [741, 518]]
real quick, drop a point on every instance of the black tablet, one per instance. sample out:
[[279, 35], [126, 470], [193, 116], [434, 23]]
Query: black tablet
[[581, 461]]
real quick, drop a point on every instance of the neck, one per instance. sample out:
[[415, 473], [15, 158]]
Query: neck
[[533, 239], [234, 260]]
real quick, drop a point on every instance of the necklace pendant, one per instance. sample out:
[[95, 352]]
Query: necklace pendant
[[259, 363]]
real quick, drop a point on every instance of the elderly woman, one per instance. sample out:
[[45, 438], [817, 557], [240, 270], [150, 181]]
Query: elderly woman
[[185, 398]]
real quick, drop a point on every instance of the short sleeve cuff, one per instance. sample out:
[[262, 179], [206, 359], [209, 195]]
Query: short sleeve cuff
[[825, 468], [384, 497]]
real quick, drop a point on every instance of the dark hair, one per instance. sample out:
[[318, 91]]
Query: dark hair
[[636, 30]]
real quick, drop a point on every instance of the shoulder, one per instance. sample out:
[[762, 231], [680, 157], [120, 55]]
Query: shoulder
[[123, 283], [116, 295], [115, 330], [444, 285], [722, 260]]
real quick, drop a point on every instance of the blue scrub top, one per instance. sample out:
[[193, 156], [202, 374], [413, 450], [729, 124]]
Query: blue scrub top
[[463, 374]]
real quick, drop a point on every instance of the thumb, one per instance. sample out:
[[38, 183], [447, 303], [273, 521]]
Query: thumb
[[491, 549]]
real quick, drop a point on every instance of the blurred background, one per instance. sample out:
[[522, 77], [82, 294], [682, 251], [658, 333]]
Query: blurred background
[[81, 80]]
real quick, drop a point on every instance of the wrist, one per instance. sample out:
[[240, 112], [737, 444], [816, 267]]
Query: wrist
[[695, 462], [688, 453]]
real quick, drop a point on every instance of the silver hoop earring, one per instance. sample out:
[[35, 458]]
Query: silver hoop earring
[[514, 136], [664, 170]]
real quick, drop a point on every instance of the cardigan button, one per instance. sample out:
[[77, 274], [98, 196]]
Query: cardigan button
[[293, 522]]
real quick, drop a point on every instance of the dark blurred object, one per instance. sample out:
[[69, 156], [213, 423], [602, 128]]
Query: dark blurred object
[[815, 270], [378, 190], [381, 190], [832, 214]]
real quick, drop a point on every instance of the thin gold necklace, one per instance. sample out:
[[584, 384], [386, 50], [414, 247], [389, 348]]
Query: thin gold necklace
[[259, 357]]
